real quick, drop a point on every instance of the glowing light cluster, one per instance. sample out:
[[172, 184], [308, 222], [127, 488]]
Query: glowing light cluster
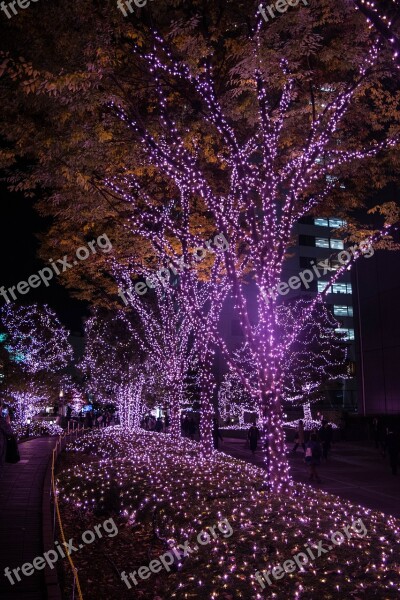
[[36, 337], [314, 357], [113, 365], [36, 428]]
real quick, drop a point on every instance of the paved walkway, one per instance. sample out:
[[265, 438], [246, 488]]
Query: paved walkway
[[21, 489], [357, 472]]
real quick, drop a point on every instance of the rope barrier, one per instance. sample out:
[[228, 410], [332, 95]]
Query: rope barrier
[[57, 511]]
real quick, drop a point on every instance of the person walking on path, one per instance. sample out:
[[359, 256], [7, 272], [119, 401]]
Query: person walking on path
[[375, 431], [5, 432], [159, 425], [191, 427], [299, 439], [393, 446], [325, 436], [253, 436], [313, 456], [216, 433]]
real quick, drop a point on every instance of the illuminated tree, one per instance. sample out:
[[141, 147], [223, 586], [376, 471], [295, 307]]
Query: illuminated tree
[[169, 336], [234, 397], [38, 350], [36, 339], [113, 365], [28, 397], [315, 357], [164, 337]]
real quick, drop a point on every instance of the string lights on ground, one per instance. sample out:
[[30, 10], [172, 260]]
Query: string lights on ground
[[150, 480]]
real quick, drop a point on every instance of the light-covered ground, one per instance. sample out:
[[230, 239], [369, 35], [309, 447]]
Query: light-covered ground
[[162, 493]]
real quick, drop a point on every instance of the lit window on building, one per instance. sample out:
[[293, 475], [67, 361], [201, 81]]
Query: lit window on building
[[336, 244], [333, 243], [322, 285], [336, 223], [336, 288], [342, 288], [348, 333], [342, 311]]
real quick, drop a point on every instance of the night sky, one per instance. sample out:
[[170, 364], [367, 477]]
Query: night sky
[[19, 246]]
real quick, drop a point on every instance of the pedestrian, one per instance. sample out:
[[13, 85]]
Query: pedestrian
[[191, 427], [253, 437], [159, 425], [375, 431], [313, 456], [89, 420], [393, 447], [325, 436], [299, 439], [183, 425], [216, 433], [5, 432]]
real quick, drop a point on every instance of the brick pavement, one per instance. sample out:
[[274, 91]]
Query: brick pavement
[[21, 520]]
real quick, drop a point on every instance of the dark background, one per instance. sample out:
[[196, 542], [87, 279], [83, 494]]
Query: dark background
[[18, 250]]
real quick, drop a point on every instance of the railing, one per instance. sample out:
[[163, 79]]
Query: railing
[[59, 447]]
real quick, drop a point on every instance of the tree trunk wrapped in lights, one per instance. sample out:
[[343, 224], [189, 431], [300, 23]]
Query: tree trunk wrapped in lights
[[114, 365], [170, 335], [128, 398]]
